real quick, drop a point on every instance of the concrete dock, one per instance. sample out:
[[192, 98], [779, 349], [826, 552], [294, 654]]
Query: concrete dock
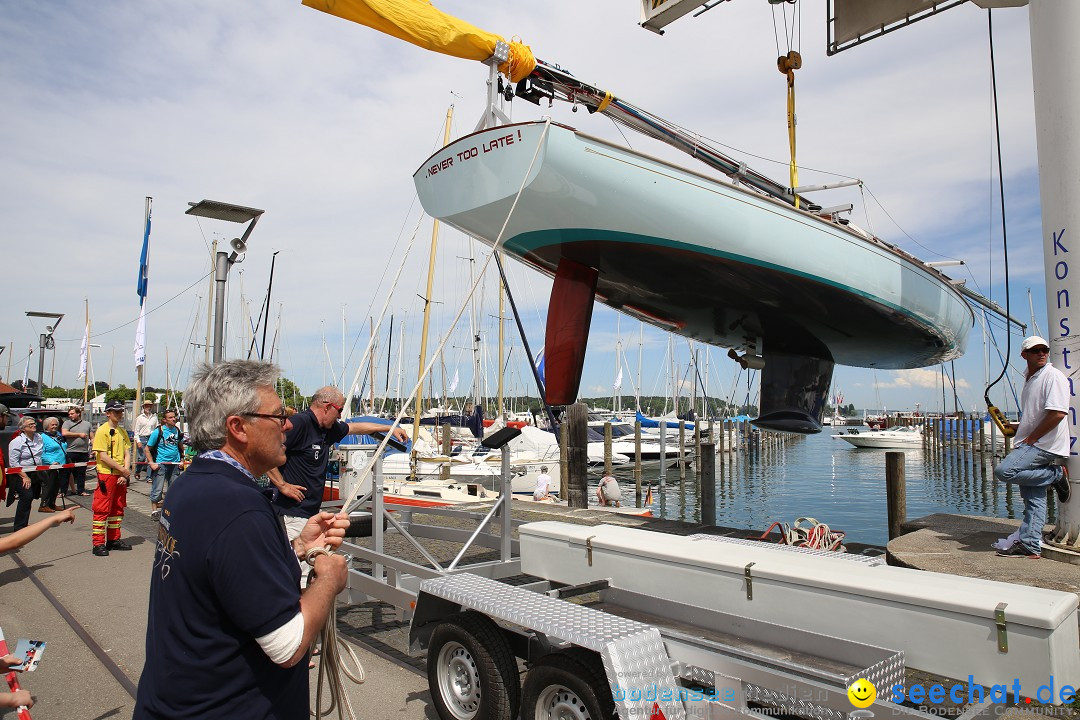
[[92, 610]]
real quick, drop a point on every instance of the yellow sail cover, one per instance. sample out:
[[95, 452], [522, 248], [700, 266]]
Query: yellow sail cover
[[420, 23]]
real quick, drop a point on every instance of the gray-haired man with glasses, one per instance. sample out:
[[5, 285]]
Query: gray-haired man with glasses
[[229, 628], [308, 440]]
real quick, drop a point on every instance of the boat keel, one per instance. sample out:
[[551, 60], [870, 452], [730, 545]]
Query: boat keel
[[794, 390], [569, 316]]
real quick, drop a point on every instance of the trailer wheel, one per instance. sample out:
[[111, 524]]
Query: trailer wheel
[[471, 672], [567, 685]]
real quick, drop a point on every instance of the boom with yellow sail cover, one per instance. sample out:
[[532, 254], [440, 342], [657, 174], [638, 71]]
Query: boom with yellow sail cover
[[420, 23]]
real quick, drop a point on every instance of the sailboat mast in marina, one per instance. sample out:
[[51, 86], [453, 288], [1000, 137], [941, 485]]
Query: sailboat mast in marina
[[419, 406]]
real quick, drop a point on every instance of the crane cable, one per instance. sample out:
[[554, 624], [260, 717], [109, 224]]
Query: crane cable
[[999, 419], [787, 65]]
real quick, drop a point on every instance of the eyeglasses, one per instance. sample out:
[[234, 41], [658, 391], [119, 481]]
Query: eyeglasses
[[339, 408], [1039, 350], [280, 417]]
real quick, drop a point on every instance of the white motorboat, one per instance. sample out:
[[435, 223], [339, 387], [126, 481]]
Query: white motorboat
[[900, 438]]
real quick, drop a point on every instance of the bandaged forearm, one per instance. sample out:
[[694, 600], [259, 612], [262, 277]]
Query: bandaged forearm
[[281, 644]]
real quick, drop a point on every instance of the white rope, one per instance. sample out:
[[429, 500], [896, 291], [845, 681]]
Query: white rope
[[366, 472], [332, 666]]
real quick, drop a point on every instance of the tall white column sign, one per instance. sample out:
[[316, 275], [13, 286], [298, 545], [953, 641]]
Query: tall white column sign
[[1055, 65]]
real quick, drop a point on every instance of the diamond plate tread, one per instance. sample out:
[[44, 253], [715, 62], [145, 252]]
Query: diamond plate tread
[[795, 706], [886, 673], [869, 560], [633, 653]]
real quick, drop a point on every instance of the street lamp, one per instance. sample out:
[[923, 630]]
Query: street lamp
[[45, 342], [229, 213]]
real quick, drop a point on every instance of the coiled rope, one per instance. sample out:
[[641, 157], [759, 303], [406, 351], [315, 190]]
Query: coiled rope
[[815, 535], [332, 667]]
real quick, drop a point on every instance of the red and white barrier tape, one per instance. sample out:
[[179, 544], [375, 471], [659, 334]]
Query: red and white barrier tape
[[58, 466], [64, 466]]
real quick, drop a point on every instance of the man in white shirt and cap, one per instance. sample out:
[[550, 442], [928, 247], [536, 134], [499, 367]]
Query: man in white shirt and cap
[[1037, 461], [145, 423]]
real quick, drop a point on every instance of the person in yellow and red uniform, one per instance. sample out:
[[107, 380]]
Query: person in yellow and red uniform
[[112, 448]]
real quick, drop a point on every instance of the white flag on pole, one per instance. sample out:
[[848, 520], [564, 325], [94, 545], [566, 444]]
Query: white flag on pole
[[140, 339], [82, 356], [453, 383], [26, 372], [618, 380]]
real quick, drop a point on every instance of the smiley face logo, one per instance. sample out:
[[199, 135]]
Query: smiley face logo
[[862, 693]]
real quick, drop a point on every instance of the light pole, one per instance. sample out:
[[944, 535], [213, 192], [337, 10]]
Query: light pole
[[229, 213], [45, 342]]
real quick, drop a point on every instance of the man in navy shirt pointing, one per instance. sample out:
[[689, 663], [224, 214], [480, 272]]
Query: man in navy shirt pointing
[[301, 478], [228, 628]]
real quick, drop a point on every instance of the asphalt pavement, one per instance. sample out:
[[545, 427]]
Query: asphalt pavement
[[91, 611]]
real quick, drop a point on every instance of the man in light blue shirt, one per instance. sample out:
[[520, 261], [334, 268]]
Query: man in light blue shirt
[[165, 449]]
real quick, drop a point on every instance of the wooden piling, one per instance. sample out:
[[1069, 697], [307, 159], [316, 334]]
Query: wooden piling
[[564, 472], [895, 492], [682, 452], [444, 472], [577, 455], [607, 448], [662, 480], [697, 450], [708, 483]]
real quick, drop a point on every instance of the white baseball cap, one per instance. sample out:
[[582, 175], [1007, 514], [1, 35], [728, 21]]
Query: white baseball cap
[[1032, 342]]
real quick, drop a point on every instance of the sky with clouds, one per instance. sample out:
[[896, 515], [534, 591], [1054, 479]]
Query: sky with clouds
[[321, 123]]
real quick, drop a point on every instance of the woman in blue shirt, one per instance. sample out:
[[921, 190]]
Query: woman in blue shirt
[[54, 452]]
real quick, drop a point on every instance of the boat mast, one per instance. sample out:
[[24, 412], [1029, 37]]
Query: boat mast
[[371, 364], [427, 313], [389, 351], [640, 345]]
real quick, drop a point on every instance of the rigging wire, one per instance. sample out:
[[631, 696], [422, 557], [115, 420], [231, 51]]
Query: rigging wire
[[148, 312], [1001, 193], [392, 257]]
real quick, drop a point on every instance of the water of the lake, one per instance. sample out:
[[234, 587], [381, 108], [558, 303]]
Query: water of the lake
[[817, 476]]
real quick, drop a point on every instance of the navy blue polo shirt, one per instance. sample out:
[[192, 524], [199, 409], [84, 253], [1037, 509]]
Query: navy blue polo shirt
[[224, 574], [307, 449]]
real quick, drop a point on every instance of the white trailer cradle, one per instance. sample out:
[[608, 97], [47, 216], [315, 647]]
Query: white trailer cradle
[[945, 624]]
